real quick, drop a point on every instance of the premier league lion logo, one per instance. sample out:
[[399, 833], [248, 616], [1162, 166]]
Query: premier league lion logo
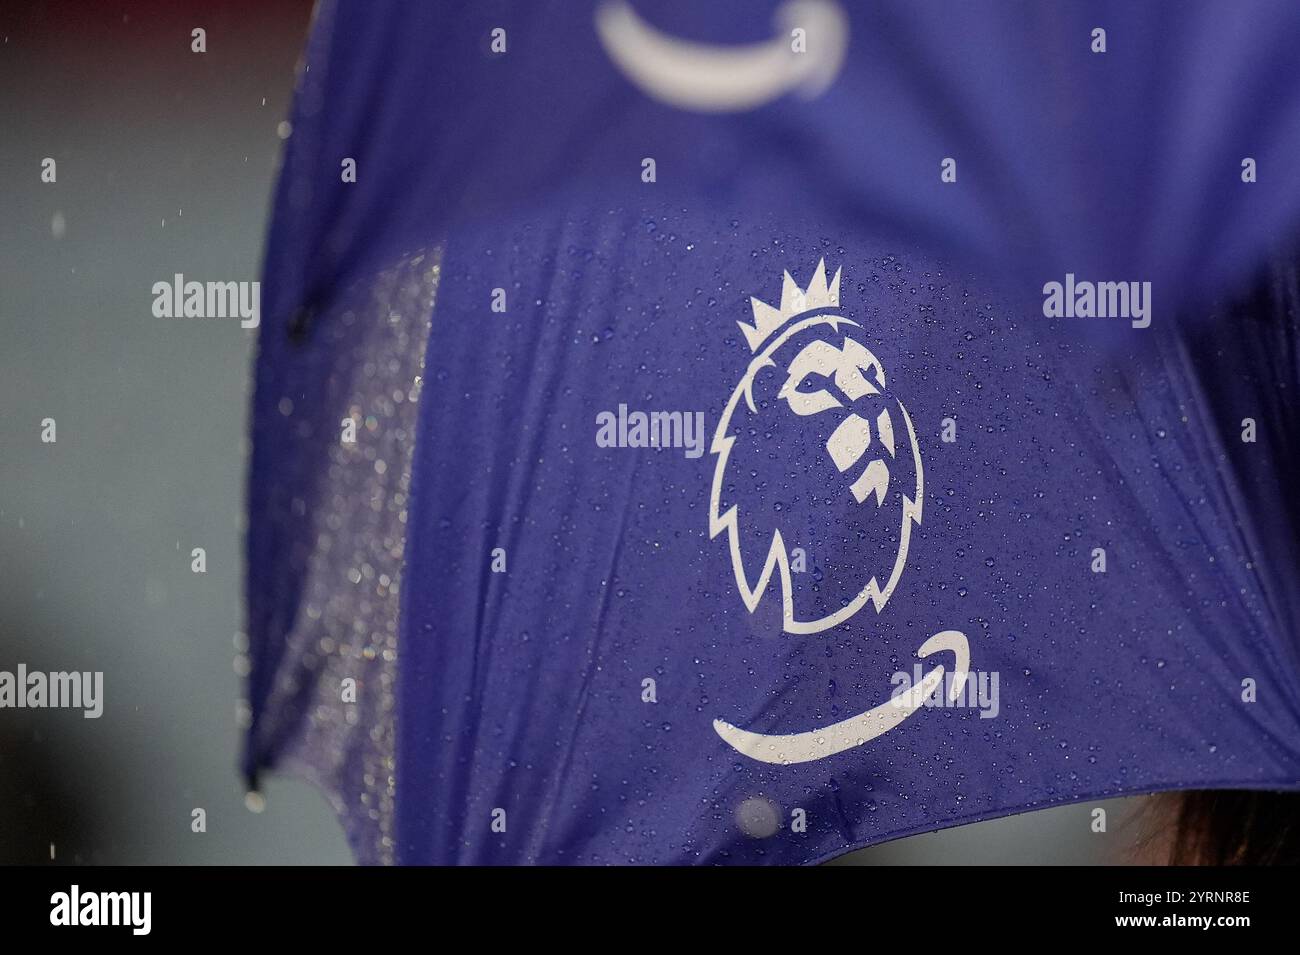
[[834, 453], [815, 451]]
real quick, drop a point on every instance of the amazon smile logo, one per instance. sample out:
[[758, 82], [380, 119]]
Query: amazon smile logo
[[816, 408], [804, 56]]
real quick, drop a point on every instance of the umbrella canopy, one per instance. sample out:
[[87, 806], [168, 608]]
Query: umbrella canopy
[[745, 432]]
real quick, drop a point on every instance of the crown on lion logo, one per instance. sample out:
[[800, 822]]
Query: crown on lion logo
[[794, 302]]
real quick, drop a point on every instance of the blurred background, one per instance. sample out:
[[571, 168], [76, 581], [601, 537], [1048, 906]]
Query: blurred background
[[166, 160]]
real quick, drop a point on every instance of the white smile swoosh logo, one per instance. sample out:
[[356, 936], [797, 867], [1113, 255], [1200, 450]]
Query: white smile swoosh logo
[[711, 78], [836, 738]]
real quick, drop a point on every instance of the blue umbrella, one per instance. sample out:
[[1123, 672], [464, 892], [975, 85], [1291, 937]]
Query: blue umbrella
[[746, 432]]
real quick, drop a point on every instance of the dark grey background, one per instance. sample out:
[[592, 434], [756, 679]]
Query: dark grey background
[[166, 160]]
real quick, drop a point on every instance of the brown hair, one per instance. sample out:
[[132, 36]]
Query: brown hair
[[1231, 827]]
